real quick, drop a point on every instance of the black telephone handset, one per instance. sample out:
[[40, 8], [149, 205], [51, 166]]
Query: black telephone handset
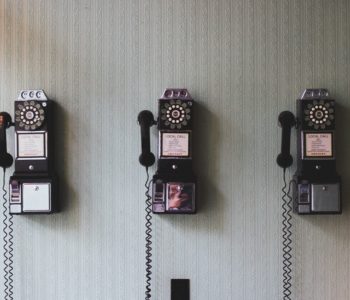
[[146, 120], [286, 120], [174, 184], [33, 184], [6, 158], [317, 184]]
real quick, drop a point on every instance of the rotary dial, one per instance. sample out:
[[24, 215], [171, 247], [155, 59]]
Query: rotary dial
[[176, 113], [319, 114], [30, 115]]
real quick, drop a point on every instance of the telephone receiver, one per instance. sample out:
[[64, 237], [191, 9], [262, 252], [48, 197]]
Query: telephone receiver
[[286, 120], [6, 159], [316, 183], [146, 120]]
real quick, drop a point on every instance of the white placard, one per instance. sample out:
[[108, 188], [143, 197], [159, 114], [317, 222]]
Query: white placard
[[36, 197], [175, 144], [31, 145], [318, 145]]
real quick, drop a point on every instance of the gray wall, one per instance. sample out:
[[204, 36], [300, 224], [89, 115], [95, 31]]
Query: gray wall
[[244, 62]]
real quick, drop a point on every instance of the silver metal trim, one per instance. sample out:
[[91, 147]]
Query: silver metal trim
[[26, 95], [193, 196], [319, 93], [171, 93]]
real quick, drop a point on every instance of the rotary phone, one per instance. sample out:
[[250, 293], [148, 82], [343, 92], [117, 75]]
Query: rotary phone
[[174, 184], [317, 183], [33, 184]]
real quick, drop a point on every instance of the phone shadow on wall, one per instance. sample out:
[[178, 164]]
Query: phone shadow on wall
[[206, 142], [66, 193]]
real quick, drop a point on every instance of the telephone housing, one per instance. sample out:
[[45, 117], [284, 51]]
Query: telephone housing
[[33, 184], [317, 188], [174, 183]]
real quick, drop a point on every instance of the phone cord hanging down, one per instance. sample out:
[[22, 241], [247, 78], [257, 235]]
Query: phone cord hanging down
[[286, 237], [7, 246], [148, 236]]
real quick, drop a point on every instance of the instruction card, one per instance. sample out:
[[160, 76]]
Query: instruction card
[[318, 145], [31, 145], [175, 144]]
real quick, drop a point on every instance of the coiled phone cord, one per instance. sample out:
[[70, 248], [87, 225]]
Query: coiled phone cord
[[148, 236], [287, 238], [7, 246]]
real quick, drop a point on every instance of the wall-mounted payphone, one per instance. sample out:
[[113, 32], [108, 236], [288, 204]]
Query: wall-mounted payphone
[[316, 183], [33, 183], [174, 183], [32, 186]]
